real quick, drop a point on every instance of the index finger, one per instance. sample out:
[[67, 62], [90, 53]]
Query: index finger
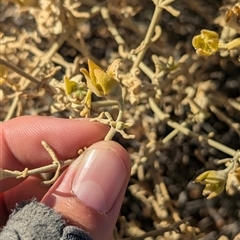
[[21, 141]]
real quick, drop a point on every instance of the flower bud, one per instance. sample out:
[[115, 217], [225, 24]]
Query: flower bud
[[214, 182], [102, 83], [206, 44]]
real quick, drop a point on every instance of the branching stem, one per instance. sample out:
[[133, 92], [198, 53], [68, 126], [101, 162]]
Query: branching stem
[[36, 71], [160, 231], [113, 130], [190, 133], [19, 71], [55, 165], [148, 38]]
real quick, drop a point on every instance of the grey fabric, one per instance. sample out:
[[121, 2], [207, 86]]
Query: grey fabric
[[74, 233], [32, 220]]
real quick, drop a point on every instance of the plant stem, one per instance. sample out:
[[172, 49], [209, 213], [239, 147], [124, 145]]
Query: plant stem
[[160, 231], [147, 40], [112, 130], [190, 133], [44, 61], [19, 174], [234, 44], [19, 71]]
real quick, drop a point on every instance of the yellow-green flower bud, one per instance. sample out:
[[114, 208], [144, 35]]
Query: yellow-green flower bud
[[75, 89], [69, 85], [206, 44], [102, 83], [214, 180]]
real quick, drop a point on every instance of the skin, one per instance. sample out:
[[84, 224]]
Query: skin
[[20, 148]]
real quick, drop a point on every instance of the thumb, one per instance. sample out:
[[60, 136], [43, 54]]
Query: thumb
[[90, 192]]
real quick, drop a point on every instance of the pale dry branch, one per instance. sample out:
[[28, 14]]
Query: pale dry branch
[[56, 165]]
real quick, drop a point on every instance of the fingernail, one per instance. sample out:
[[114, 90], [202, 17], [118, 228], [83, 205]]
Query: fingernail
[[99, 178]]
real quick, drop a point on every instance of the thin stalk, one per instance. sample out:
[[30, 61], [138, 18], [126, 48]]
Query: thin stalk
[[234, 44], [35, 72], [190, 133], [113, 130], [148, 38], [19, 71], [25, 173], [160, 231]]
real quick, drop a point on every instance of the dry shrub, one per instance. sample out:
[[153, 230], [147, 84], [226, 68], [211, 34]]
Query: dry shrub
[[184, 109]]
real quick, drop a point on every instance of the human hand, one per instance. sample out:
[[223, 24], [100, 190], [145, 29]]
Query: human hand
[[89, 193]]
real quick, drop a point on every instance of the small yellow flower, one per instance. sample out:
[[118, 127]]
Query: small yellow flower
[[214, 182], [206, 44], [75, 89], [69, 85], [102, 83]]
